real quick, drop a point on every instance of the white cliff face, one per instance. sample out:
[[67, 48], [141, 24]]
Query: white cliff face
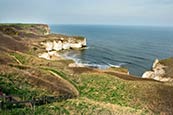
[[58, 45], [66, 46], [75, 65], [44, 55], [61, 44], [155, 63], [84, 42], [75, 45], [48, 45], [53, 55], [158, 72], [148, 74]]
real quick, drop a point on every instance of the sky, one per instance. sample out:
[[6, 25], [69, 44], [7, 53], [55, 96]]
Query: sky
[[105, 12]]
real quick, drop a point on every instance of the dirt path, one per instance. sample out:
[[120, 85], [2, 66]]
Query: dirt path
[[73, 88]]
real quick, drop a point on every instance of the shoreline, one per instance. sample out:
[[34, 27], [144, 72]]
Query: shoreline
[[26, 76]]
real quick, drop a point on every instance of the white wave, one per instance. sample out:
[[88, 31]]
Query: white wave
[[82, 63], [99, 66], [86, 48], [117, 66]]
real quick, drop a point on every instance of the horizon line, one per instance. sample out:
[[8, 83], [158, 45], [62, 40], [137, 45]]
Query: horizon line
[[91, 24], [147, 25]]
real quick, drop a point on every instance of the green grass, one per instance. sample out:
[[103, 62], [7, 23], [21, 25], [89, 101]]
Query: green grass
[[103, 88], [24, 30], [123, 70], [79, 106], [12, 84], [148, 96], [167, 62], [62, 74], [19, 58], [33, 60]]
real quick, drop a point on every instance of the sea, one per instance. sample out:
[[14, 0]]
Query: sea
[[131, 47]]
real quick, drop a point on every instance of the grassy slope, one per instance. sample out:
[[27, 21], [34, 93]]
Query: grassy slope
[[99, 87], [169, 63], [25, 76]]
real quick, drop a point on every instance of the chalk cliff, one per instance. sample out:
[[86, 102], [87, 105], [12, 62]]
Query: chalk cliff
[[54, 43], [61, 44], [161, 70], [39, 40]]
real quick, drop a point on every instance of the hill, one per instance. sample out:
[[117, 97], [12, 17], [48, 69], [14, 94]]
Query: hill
[[35, 79]]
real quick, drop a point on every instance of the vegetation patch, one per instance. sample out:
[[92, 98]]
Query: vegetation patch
[[13, 85], [21, 59], [79, 106]]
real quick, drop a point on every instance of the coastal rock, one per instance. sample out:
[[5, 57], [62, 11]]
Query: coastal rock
[[148, 74], [66, 46], [44, 55], [159, 72], [84, 43], [75, 65], [52, 55], [57, 45], [63, 44], [75, 45], [155, 63], [48, 45]]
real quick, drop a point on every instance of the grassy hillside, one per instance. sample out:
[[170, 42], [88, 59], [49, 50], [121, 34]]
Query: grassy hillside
[[51, 87], [169, 69]]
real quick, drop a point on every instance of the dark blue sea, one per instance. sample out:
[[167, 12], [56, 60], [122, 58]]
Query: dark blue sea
[[132, 47]]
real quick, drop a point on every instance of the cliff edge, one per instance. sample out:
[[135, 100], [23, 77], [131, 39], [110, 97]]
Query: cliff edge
[[37, 39], [162, 70]]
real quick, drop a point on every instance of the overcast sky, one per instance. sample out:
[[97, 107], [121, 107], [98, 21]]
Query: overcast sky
[[117, 12]]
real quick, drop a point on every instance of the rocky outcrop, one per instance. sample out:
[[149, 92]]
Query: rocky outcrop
[[53, 55], [47, 44], [76, 65], [160, 71], [38, 39], [51, 47], [61, 44]]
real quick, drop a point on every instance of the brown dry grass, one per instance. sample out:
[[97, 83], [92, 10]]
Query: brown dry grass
[[12, 44]]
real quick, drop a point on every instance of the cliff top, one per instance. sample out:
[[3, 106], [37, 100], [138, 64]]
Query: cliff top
[[169, 66], [13, 36], [11, 29]]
